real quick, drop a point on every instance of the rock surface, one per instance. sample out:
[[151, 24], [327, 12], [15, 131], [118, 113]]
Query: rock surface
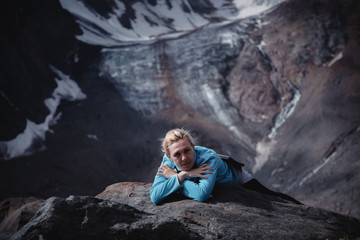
[[124, 211], [225, 82], [16, 212], [92, 218]]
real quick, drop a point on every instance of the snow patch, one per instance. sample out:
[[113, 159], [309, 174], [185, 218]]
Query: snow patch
[[285, 112], [335, 59], [155, 22], [31, 140], [93, 136], [76, 58], [231, 39], [263, 149], [249, 8], [310, 173], [223, 115], [261, 45]]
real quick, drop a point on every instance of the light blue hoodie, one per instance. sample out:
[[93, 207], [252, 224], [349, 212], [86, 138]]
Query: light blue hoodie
[[163, 187]]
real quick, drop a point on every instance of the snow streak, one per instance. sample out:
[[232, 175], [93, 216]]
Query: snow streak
[[31, 140]]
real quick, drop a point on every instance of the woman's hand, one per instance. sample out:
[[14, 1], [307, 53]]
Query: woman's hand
[[200, 171], [166, 171], [196, 172]]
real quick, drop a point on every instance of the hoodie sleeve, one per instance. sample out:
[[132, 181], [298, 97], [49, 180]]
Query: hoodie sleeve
[[201, 191], [162, 186]]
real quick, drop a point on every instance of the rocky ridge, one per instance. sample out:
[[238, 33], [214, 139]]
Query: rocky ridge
[[124, 211]]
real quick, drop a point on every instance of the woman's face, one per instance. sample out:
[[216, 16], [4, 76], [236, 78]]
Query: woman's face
[[182, 154]]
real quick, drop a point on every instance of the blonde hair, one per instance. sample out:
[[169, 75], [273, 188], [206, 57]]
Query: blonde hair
[[175, 135]]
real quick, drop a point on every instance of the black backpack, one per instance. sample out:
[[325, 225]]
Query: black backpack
[[231, 162]]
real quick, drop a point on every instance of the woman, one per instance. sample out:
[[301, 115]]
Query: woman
[[194, 170]]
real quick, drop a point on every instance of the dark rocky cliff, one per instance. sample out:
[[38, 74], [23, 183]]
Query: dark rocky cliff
[[124, 211]]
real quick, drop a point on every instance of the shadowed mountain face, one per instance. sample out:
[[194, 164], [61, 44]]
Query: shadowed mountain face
[[278, 91], [320, 141]]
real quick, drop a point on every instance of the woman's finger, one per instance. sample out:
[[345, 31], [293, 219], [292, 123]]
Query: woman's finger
[[208, 168]]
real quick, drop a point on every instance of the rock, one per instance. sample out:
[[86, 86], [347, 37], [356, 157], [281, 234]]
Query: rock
[[124, 211], [257, 97], [16, 212], [233, 212], [83, 217]]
